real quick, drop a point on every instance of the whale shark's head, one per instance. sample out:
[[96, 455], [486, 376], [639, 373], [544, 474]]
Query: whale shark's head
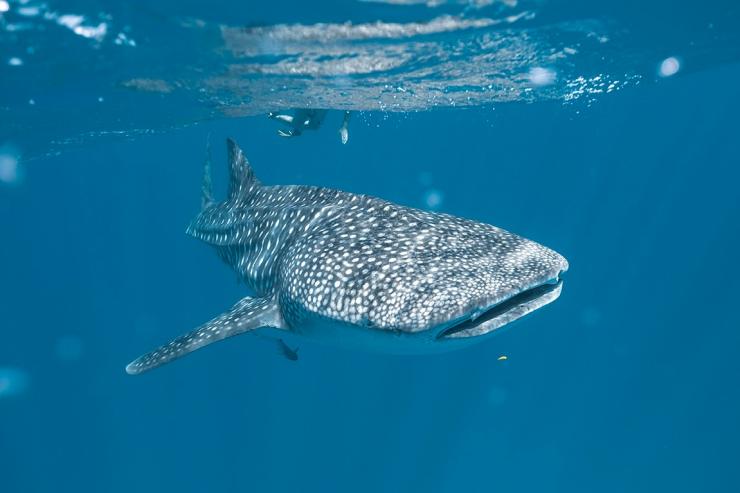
[[526, 278]]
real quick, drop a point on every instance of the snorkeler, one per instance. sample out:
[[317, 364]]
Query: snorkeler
[[308, 119]]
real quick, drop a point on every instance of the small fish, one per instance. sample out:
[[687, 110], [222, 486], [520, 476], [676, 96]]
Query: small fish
[[285, 350]]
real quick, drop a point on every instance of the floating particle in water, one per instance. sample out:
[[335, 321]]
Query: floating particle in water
[[497, 396], [433, 199], [9, 167], [31, 102], [503, 357], [69, 348], [4, 6], [670, 66], [101, 99], [541, 76], [124, 40], [13, 381], [15, 61]]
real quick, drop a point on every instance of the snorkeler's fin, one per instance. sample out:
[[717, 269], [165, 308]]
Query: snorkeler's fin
[[283, 118], [248, 314]]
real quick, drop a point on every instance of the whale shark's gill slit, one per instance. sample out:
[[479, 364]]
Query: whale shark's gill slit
[[499, 309]]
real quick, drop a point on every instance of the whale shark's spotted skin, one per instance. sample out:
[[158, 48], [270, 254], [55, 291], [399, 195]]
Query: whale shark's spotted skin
[[359, 270]]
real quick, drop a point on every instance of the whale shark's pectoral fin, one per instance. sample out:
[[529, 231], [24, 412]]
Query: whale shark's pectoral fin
[[248, 314]]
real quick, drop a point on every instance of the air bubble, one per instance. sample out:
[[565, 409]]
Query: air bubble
[[670, 66]]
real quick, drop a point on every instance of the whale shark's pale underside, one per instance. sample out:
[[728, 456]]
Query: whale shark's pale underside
[[357, 270]]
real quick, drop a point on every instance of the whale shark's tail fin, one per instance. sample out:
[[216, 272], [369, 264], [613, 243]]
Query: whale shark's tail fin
[[242, 182], [248, 314]]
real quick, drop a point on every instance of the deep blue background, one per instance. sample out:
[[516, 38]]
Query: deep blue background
[[629, 382]]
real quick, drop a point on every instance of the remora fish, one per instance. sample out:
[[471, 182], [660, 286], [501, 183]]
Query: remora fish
[[357, 270]]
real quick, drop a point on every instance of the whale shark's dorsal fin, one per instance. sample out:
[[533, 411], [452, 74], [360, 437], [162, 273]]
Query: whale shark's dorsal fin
[[248, 314], [242, 182]]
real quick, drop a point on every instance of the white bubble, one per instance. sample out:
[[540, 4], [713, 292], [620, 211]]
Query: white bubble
[[69, 348], [433, 198], [540, 76], [122, 39], [13, 381], [9, 168], [4, 6], [669, 66], [15, 61]]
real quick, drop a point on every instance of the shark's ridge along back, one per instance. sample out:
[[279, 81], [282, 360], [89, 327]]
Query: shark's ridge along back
[[356, 270]]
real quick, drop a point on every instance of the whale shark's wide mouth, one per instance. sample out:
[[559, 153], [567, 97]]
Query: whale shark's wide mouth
[[504, 312]]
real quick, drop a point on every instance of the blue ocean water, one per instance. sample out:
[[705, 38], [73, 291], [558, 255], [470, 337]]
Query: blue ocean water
[[609, 132]]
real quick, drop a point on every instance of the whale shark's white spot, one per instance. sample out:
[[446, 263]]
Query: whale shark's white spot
[[670, 66], [13, 381]]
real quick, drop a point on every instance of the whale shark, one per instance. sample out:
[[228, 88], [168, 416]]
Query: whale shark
[[355, 270]]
